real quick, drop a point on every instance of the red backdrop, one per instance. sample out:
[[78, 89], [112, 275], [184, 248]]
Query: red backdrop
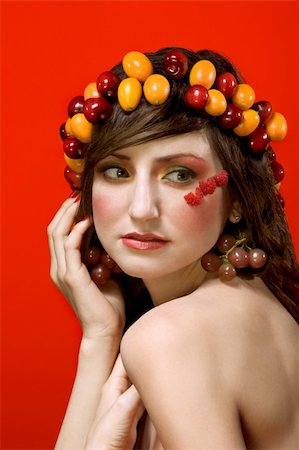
[[50, 52]]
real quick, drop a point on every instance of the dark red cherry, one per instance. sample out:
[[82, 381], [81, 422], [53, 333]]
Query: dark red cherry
[[175, 64], [231, 117], [196, 96], [97, 109], [258, 140], [100, 274], [278, 171], [62, 132], [107, 84], [75, 105], [264, 108], [73, 178], [226, 83], [93, 256], [73, 148]]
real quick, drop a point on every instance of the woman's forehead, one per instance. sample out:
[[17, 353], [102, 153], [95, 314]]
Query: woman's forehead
[[188, 143]]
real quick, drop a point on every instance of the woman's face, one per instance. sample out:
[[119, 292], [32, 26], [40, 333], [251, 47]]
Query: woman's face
[[139, 211]]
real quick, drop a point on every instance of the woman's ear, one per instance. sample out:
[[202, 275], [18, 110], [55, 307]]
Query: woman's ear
[[235, 214]]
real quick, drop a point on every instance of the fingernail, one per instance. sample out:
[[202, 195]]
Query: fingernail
[[78, 198]]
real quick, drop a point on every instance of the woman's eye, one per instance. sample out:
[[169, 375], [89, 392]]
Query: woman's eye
[[180, 175], [114, 173]]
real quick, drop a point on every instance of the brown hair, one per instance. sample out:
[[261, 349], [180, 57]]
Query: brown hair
[[251, 180]]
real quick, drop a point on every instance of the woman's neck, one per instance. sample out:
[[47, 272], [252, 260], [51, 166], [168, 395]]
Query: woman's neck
[[176, 284]]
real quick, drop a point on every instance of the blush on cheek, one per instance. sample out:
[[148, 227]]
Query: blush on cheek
[[208, 215], [100, 204]]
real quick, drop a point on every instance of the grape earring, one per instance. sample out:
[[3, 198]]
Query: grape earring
[[231, 255]]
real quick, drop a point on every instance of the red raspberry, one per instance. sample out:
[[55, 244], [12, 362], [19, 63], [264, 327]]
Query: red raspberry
[[221, 178], [209, 186], [191, 199]]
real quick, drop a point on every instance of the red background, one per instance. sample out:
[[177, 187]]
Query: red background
[[50, 52]]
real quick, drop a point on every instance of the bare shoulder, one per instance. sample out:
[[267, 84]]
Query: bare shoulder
[[236, 303], [225, 321], [223, 355]]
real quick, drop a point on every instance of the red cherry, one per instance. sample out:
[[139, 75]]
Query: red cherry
[[62, 132], [73, 148], [264, 108], [196, 96], [226, 83], [278, 171], [75, 105], [73, 178], [108, 261], [100, 274], [231, 117], [175, 64], [226, 272], [107, 84], [211, 262], [258, 140], [225, 242], [257, 258], [97, 109], [93, 256]]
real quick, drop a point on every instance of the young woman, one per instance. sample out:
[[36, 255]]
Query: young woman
[[180, 266]]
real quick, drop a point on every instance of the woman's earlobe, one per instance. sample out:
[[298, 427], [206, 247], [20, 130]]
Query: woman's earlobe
[[235, 214]]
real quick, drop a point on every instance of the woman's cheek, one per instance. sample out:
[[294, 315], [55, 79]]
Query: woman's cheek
[[207, 216], [104, 208]]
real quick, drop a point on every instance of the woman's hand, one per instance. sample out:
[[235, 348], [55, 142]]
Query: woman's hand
[[118, 414], [101, 312]]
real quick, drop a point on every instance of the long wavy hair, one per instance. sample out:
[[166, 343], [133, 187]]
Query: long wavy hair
[[251, 180]]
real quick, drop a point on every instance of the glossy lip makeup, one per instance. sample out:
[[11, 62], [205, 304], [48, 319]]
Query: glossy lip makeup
[[146, 241]]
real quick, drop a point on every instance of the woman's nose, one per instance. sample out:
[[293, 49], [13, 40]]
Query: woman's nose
[[143, 202]]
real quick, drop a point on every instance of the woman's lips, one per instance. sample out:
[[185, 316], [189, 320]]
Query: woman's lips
[[144, 241]]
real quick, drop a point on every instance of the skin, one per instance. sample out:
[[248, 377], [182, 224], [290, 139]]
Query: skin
[[238, 349], [147, 196], [101, 314], [118, 414], [214, 363]]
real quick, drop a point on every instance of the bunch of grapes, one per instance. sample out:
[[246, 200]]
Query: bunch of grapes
[[100, 265], [235, 254]]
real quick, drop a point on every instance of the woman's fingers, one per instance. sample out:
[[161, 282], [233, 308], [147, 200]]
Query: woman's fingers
[[117, 427], [73, 243], [116, 384], [60, 231], [97, 314], [118, 381], [50, 231], [132, 402]]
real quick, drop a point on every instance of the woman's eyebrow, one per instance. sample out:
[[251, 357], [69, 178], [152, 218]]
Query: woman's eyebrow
[[180, 155], [163, 158], [117, 155]]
